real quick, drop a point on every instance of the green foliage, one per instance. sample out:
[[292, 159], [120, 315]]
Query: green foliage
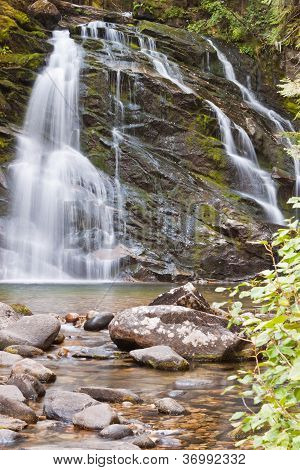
[[137, 5], [271, 391], [174, 12], [5, 50], [291, 89], [219, 16]]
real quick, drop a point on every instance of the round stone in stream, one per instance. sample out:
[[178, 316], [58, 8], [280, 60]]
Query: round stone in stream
[[116, 431], [170, 407], [144, 442], [99, 322], [8, 437], [193, 384]]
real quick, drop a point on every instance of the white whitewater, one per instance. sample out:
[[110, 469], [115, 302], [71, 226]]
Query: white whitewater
[[62, 221], [116, 55], [163, 66], [279, 124], [254, 183]]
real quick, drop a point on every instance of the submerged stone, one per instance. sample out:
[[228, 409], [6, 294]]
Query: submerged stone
[[170, 406], [111, 395]]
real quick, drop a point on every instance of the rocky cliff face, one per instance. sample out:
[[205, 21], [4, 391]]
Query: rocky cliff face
[[183, 216]]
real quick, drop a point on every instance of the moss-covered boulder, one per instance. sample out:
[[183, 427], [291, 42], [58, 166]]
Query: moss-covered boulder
[[45, 12], [22, 309]]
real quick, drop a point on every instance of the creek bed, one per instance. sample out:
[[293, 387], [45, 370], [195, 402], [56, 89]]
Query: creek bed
[[207, 427]]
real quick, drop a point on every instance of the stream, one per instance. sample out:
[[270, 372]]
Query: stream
[[207, 427]]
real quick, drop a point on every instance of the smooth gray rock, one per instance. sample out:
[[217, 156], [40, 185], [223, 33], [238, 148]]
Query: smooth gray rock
[[34, 368], [169, 406], [160, 357], [191, 333], [98, 352], [37, 330], [63, 406], [8, 316], [98, 322], [11, 391], [14, 424], [144, 442], [193, 384], [95, 417], [24, 350], [8, 359], [111, 395], [116, 431], [17, 409], [8, 437], [31, 387], [169, 442]]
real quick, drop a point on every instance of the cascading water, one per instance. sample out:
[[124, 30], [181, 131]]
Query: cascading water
[[278, 122], [161, 63], [163, 66], [254, 183], [116, 55], [62, 221]]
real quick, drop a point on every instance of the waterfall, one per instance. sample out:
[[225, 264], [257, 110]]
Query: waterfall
[[254, 183], [117, 46], [62, 218], [163, 66], [161, 63], [278, 122]]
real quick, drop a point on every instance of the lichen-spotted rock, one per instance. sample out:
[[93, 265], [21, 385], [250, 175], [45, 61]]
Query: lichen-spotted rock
[[184, 296], [193, 334]]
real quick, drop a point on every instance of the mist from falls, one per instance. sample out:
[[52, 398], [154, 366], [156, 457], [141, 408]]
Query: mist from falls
[[278, 123], [62, 217]]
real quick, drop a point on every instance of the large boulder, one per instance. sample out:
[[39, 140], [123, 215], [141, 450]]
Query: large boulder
[[17, 409], [110, 395], [95, 417], [45, 12], [193, 334], [8, 316], [33, 368], [38, 330], [62, 405], [160, 357], [184, 296]]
